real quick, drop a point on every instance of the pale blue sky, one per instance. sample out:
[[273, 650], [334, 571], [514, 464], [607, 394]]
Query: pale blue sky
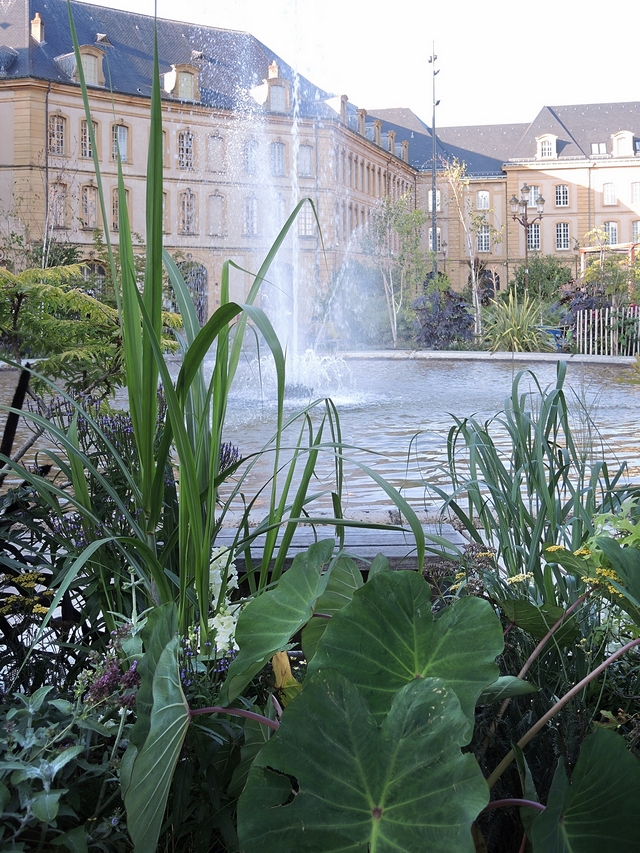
[[377, 54]]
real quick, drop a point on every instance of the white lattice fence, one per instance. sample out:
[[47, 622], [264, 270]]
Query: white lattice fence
[[609, 331]]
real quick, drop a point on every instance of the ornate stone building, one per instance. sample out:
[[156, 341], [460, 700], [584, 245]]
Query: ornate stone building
[[245, 138]]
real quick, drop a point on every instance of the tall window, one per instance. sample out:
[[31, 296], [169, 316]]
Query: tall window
[[251, 156], [216, 154], [277, 158], [215, 215], [305, 153], [251, 216], [120, 142], [562, 235], [85, 138], [115, 208], [483, 238], [186, 150], [186, 87], [165, 214], [58, 201], [611, 232], [56, 143], [482, 200], [635, 231], [609, 194], [431, 200], [187, 212], [635, 192], [534, 192], [562, 195], [533, 236], [306, 221], [89, 207], [438, 246], [90, 68]]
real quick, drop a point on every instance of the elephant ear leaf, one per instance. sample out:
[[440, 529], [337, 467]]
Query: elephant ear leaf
[[332, 779], [387, 637], [153, 767], [267, 623], [598, 809]]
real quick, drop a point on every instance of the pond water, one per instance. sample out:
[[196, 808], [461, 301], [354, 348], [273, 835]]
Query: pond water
[[400, 411]]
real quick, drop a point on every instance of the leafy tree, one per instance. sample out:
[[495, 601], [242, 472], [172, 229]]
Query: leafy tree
[[610, 274], [472, 220], [46, 314], [547, 275], [393, 241]]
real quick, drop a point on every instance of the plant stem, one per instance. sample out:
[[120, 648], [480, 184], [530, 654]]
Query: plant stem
[[237, 712], [506, 761], [512, 801]]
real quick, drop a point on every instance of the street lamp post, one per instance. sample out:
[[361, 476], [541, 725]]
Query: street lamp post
[[519, 207]]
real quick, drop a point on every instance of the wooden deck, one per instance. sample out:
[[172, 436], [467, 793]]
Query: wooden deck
[[364, 544]]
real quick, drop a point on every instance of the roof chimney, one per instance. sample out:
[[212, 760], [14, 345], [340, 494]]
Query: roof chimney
[[37, 29], [274, 72]]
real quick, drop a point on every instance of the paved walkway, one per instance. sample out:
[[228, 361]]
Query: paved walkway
[[473, 355]]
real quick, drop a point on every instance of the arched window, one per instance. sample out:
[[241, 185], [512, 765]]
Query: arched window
[[89, 207], [215, 215], [57, 135], [196, 279], [187, 212], [186, 150]]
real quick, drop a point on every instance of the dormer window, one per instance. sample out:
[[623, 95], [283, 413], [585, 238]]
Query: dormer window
[[598, 147], [278, 87], [622, 143], [182, 82], [91, 58], [547, 146]]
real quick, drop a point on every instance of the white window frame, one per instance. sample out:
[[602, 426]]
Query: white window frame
[[635, 192], [611, 231], [534, 192], [305, 161], [187, 213], [483, 239], [563, 241], [277, 98], [483, 200], [562, 195], [533, 237], [86, 152], [438, 238], [186, 85], [216, 215], [251, 228], [635, 231], [89, 206], [120, 142], [186, 150], [57, 135], [58, 195], [277, 159], [430, 203], [609, 196]]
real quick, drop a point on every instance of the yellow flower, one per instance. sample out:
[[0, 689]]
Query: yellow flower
[[581, 552], [556, 548]]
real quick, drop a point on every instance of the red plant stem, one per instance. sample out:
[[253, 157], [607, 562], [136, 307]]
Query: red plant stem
[[534, 654], [512, 801], [237, 712], [524, 740]]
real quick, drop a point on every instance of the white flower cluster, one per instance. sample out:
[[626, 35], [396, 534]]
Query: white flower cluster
[[226, 613]]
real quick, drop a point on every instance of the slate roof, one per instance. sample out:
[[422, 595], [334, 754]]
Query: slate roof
[[579, 125], [486, 148], [232, 62]]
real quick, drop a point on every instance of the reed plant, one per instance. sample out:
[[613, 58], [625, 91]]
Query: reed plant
[[514, 325], [521, 482]]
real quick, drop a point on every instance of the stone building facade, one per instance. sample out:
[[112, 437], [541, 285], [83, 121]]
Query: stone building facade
[[245, 139]]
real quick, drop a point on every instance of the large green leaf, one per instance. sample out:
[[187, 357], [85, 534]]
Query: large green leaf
[[267, 623], [345, 579], [626, 563], [148, 790], [400, 786], [537, 620], [598, 810], [387, 637]]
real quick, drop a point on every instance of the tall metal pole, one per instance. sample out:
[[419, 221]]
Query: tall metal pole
[[434, 206]]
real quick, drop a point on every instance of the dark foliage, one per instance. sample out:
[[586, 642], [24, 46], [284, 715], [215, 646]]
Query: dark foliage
[[443, 319]]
